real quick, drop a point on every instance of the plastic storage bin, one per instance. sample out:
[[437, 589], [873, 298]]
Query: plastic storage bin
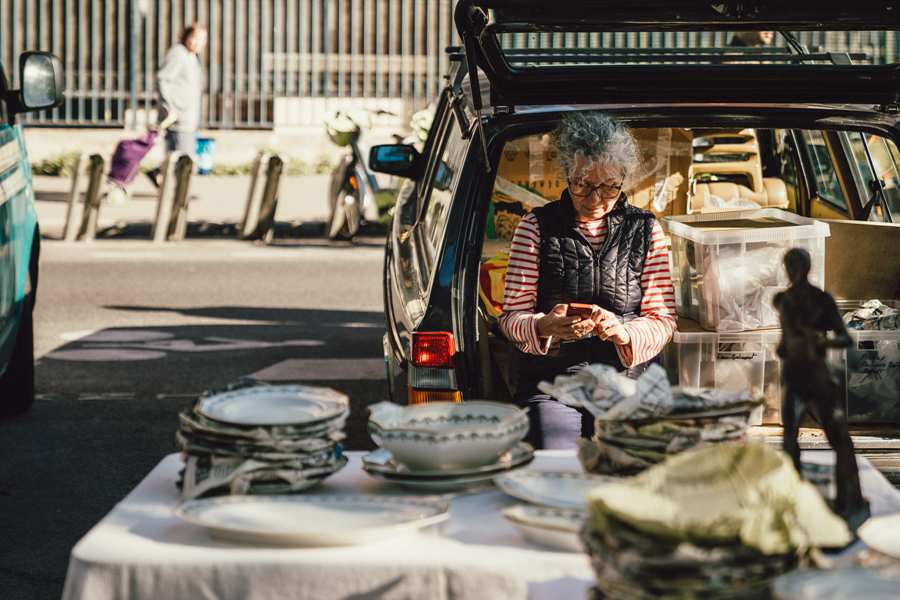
[[870, 372], [726, 267], [743, 361]]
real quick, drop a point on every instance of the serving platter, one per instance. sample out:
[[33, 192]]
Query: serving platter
[[275, 405], [882, 534], [548, 527], [310, 520], [557, 490]]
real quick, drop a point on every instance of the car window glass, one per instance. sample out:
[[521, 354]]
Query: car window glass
[[886, 157], [828, 187], [4, 119], [445, 173], [406, 210], [781, 163]]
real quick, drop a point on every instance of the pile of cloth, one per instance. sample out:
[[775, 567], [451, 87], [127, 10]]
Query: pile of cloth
[[740, 285], [717, 522], [639, 423], [872, 316]]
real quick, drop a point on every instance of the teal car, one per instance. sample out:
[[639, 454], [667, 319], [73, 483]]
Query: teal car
[[42, 88]]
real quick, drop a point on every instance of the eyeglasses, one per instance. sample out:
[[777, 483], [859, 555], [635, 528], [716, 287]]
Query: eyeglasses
[[579, 188]]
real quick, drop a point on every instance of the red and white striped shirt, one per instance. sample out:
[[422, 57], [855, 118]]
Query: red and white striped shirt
[[649, 332]]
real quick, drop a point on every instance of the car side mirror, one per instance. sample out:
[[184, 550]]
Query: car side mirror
[[402, 160], [41, 75]]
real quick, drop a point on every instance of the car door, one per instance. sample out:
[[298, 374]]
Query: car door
[[12, 194], [407, 264]]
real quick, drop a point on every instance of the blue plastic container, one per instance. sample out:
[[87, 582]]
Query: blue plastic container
[[206, 155]]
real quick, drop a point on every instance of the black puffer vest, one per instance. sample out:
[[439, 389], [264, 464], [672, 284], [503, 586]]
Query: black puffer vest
[[570, 271]]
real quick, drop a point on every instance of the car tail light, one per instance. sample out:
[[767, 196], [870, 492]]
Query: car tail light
[[432, 349], [353, 182], [427, 396]]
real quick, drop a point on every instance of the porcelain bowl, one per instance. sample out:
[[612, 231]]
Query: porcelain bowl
[[447, 435]]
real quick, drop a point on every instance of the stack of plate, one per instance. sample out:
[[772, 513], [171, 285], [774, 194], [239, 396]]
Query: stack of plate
[[261, 440], [696, 417], [633, 564], [561, 506], [446, 445]]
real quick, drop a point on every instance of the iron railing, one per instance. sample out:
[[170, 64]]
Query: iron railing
[[291, 58]]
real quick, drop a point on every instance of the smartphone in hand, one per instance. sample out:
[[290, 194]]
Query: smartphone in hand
[[579, 310]]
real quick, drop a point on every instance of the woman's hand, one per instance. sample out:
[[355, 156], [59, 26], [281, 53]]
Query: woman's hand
[[609, 328], [557, 324]]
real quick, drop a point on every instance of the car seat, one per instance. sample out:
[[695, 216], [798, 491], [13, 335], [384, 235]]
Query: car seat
[[726, 164]]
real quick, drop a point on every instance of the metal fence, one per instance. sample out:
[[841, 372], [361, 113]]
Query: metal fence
[[267, 60], [281, 62]]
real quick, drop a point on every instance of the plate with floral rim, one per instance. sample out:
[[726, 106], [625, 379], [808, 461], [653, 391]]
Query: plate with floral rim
[[292, 520], [557, 490]]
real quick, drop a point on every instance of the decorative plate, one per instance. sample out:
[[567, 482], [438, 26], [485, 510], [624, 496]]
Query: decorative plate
[[381, 461], [558, 490], [882, 534], [276, 405], [549, 527], [310, 520]]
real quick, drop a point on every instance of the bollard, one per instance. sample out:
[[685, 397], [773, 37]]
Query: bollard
[[251, 209], [178, 221], [165, 198], [88, 229], [265, 224], [70, 232]]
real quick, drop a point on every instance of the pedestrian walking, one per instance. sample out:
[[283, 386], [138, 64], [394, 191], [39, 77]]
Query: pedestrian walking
[[179, 83]]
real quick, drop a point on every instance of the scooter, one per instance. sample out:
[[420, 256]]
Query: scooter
[[355, 193]]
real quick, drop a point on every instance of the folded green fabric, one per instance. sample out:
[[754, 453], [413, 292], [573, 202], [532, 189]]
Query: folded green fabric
[[745, 492]]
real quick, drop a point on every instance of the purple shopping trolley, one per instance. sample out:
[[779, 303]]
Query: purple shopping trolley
[[125, 165]]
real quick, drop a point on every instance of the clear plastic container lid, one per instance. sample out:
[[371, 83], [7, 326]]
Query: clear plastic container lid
[[764, 225]]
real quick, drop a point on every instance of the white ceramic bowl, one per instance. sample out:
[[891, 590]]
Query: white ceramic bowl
[[447, 435]]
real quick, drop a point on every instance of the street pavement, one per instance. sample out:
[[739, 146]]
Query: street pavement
[[216, 205], [128, 333]]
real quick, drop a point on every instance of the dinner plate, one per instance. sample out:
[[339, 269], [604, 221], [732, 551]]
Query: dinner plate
[[382, 462], [882, 534], [558, 490], [549, 527], [310, 520], [275, 405], [838, 584]]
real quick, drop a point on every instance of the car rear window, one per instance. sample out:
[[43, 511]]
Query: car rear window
[[572, 48]]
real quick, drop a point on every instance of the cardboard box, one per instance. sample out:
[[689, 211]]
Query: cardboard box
[[667, 156], [666, 159]]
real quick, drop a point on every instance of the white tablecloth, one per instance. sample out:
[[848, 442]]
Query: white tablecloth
[[140, 551]]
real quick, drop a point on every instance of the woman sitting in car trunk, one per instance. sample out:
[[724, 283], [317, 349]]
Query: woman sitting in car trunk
[[590, 247]]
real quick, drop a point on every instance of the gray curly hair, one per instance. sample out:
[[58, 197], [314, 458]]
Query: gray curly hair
[[598, 138]]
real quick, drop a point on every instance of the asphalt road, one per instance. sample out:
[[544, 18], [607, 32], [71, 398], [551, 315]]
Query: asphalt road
[[128, 333]]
